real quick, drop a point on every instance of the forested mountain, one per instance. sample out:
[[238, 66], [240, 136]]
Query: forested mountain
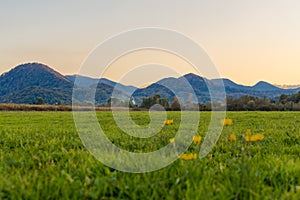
[[201, 89], [28, 82], [31, 82]]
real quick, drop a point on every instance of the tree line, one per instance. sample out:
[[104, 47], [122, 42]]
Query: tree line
[[243, 103], [249, 103]]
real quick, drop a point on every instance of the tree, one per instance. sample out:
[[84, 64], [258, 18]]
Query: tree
[[164, 102], [283, 98], [175, 104], [251, 105], [40, 101], [295, 97], [156, 99]]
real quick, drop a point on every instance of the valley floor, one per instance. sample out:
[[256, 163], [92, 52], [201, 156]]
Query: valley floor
[[42, 157]]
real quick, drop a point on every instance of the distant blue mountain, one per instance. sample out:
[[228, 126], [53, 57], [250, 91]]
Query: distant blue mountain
[[264, 86], [84, 81], [199, 85], [230, 84], [28, 82]]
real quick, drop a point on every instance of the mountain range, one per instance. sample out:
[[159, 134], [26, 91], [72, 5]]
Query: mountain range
[[28, 82]]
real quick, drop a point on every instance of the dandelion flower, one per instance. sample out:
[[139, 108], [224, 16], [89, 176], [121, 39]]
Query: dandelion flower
[[184, 157], [168, 121], [232, 137], [259, 137], [197, 139], [227, 122], [188, 156], [172, 140], [253, 138]]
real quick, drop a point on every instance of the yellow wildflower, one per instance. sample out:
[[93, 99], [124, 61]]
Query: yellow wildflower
[[188, 156], [197, 139], [248, 132], [253, 138], [233, 137], [195, 156], [168, 121], [227, 122], [172, 140], [184, 157]]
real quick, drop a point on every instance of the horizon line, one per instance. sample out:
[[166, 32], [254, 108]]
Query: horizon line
[[282, 86]]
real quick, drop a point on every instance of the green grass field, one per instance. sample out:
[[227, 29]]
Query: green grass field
[[42, 157]]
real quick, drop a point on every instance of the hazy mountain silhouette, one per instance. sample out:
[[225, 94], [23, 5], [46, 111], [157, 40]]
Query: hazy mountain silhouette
[[83, 81], [28, 82], [264, 86], [199, 85]]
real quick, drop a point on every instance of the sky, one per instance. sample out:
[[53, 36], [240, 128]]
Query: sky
[[248, 41]]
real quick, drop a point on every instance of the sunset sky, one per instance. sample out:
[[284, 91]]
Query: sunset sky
[[248, 41]]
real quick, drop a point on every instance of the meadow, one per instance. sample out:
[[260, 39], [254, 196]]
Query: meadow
[[42, 157]]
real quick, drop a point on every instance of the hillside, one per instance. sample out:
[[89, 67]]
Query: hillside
[[199, 84], [31, 75], [30, 95], [84, 81], [28, 82], [264, 86]]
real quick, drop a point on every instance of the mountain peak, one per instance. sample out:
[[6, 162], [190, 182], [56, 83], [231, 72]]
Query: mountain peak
[[35, 67], [32, 75], [264, 86], [191, 75]]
